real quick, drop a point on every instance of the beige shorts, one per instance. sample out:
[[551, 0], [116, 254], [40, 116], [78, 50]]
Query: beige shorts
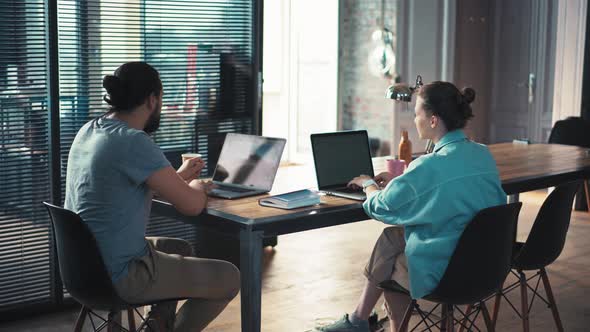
[[388, 260], [169, 271]]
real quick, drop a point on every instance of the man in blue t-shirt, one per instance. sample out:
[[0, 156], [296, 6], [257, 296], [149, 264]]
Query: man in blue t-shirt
[[114, 167]]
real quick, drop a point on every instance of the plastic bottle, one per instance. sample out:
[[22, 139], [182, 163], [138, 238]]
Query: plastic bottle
[[405, 148]]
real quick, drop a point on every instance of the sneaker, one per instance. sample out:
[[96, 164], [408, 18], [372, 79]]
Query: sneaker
[[344, 325], [373, 318], [376, 324]]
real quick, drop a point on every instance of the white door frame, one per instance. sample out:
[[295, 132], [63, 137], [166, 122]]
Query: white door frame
[[289, 109], [543, 46], [305, 30], [569, 58]]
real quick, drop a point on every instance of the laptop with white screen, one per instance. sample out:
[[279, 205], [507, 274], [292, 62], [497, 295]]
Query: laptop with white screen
[[247, 165], [338, 158]]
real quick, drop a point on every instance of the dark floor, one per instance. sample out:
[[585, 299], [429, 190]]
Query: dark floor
[[315, 276]]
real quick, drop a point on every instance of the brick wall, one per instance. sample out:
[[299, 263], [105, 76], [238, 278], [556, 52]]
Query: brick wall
[[362, 103]]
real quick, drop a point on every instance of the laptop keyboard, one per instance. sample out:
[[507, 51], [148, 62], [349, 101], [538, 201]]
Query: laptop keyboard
[[233, 189], [347, 190]]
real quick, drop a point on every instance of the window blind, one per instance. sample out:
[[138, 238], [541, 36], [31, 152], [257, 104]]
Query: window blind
[[202, 49], [204, 52], [25, 257]]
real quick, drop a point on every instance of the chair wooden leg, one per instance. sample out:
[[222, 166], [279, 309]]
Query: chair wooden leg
[[496, 311], [160, 321], [524, 304], [450, 319], [444, 314], [131, 320], [406, 320], [486, 317], [81, 318], [465, 321], [551, 299], [110, 320], [114, 321], [587, 196]]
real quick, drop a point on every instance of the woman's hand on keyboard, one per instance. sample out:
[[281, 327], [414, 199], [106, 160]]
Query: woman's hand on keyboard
[[383, 179]]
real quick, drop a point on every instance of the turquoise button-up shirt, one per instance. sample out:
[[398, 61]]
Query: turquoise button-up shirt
[[434, 200]]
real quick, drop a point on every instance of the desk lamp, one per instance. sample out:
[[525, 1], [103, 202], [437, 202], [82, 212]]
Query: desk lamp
[[403, 92]]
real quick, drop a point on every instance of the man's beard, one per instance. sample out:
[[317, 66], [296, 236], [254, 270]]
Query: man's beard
[[153, 122]]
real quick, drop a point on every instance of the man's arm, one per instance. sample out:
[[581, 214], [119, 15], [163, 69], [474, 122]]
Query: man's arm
[[188, 198]]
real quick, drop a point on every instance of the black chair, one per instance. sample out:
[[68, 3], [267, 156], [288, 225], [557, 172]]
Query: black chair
[[85, 277], [543, 245], [478, 266], [574, 131]]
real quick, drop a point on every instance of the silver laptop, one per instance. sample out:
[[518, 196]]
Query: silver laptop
[[247, 165], [338, 158]]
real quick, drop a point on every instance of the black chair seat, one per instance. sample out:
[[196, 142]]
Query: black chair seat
[[571, 131], [542, 247], [516, 248], [574, 131], [83, 271], [480, 263], [520, 264]]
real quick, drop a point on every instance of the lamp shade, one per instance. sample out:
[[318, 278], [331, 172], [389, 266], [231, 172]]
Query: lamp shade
[[399, 91], [403, 92]]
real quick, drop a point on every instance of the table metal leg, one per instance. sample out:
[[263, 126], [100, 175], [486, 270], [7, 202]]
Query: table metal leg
[[251, 279], [513, 198]]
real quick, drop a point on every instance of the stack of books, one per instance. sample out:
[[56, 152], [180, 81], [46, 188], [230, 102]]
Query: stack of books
[[291, 200]]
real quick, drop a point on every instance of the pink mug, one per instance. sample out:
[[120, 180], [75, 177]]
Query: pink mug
[[395, 166]]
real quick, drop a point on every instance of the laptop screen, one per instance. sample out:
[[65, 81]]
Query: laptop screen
[[341, 156], [249, 161]]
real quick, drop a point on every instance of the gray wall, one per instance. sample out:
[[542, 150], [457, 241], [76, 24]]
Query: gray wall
[[473, 60]]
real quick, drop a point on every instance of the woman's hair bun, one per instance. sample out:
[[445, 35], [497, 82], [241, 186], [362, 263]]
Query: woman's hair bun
[[468, 95]]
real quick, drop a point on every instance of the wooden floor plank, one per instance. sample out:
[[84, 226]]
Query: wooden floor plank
[[316, 276]]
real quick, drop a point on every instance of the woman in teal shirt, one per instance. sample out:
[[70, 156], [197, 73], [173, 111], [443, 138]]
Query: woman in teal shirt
[[430, 205]]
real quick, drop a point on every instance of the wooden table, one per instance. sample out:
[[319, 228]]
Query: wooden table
[[530, 167], [522, 168]]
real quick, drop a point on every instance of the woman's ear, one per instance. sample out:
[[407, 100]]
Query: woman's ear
[[433, 121]]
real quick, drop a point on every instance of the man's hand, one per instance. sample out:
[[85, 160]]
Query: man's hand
[[207, 186], [357, 182], [383, 179], [191, 169], [186, 198]]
